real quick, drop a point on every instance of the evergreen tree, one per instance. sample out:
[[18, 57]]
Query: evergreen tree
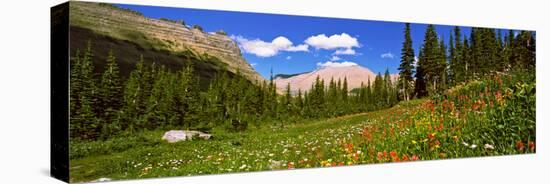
[[388, 87], [442, 66], [161, 106], [407, 65], [110, 91], [476, 52], [345, 90], [420, 78], [430, 60], [317, 97], [379, 94], [84, 122], [501, 56], [451, 76], [134, 98], [368, 94], [75, 84], [299, 102], [524, 55], [488, 48], [288, 100], [466, 63]]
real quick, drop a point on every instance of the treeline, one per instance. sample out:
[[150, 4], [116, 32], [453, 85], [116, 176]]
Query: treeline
[[154, 97], [440, 65], [335, 99]]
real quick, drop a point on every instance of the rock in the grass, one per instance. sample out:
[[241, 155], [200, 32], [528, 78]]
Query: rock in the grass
[[204, 136], [182, 135], [102, 180]]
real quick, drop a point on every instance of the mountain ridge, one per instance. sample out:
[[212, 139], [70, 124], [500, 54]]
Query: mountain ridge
[[355, 76], [158, 34]]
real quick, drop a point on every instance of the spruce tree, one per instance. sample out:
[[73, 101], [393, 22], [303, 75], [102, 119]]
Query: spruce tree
[[188, 97], [110, 91], [133, 98], [75, 84], [345, 90], [456, 58], [84, 121], [368, 94], [287, 102], [476, 53], [299, 102], [466, 63], [501, 56], [442, 67], [430, 59], [407, 65], [420, 77], [387, 87], [379, 95]]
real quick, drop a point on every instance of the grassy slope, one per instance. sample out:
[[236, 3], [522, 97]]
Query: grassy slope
[[130, 35], [315, 140], [491, 117], [128, 54]]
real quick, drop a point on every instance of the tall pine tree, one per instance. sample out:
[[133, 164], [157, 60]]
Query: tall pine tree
[[407, 65]]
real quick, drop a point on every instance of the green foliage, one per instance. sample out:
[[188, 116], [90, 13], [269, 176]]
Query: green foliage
[[110, 96], [483, 92], [407, 66], [83, 96], [431, 64], [488, 117]]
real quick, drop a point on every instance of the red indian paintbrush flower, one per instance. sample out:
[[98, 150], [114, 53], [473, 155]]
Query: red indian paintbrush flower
[[414, 158], [290, 165], [393, 154], [532, 146], [380, 155], [520, 146]]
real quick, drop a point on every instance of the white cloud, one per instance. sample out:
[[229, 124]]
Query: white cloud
[[261, 48], [387, 55], [336, 64], [415, 63], [253, 64], [347, 51], [288, 57], [301, 47], [336, 41], [335, 58]]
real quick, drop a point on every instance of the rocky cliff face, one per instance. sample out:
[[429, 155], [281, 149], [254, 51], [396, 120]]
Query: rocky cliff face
[[159, 34]]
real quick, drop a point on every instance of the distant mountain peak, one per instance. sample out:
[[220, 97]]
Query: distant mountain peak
[[354, 74]]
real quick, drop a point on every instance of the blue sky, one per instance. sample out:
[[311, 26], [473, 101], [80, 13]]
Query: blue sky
[[376, 44]]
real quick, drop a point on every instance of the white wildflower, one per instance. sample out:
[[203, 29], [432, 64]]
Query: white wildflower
[[488, 146]]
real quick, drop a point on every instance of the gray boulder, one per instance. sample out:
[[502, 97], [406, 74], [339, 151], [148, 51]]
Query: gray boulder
[[183, 135]]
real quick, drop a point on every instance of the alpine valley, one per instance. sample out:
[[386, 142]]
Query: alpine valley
[[151, 96]]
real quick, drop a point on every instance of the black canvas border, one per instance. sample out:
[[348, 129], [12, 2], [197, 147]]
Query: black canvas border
[[59, 92]]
